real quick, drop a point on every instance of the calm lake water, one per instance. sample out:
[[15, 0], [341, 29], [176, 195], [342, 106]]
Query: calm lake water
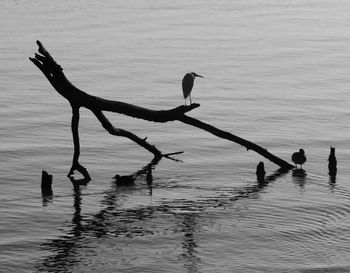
[[276, 73]]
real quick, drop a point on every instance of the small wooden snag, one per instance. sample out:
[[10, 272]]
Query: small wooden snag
[[332, 162], [46, 183], [260, 172]]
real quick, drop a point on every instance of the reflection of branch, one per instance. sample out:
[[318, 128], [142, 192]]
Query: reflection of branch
[[249, 191], [278, 173], [332, 181], [77, 226], [125, 180], [189, 244], [67, 246], [133, 222], [149, 166], [79, 182]]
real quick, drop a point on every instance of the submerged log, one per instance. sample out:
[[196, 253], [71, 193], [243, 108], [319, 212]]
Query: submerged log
[[226, 135], [78, 98]]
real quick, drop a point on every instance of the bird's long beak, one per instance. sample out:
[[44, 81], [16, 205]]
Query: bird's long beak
[[199, 76]]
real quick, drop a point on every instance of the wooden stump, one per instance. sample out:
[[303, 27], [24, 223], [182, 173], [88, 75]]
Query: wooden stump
[[260, 172], [332, 162], [46, 183]]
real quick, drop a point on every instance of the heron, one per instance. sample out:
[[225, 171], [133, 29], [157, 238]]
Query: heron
[[299, 158], [187, 84]]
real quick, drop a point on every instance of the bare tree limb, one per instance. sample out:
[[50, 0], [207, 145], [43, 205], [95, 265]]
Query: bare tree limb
[[78, 98], [226, 135], [120, 132]]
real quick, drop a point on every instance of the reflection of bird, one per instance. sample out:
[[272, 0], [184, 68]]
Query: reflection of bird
[[124, 180], [299, 158], [149, 177], [187, 84]]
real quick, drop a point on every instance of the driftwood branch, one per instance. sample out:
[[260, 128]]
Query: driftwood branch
[[226, 135], [121, 132], [78, 98]]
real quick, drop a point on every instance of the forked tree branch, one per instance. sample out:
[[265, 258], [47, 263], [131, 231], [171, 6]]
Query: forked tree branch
[[78, 98]]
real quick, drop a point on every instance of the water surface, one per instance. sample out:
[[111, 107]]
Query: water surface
[[276, 73]]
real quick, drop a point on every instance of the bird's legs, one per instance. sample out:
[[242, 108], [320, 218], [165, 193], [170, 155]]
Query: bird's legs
[[300, 165], [190, 100], [185, 101]]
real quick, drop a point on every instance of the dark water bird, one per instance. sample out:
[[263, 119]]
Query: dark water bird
[[187, 84], [124, 180], [299, 158]]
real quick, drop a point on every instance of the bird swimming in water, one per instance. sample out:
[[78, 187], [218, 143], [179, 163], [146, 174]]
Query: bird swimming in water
[[299, 158], [187, 84], [124, 180]]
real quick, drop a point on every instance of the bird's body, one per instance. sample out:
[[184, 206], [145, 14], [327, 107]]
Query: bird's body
[[299, 158], [124, 180], [187, 84]]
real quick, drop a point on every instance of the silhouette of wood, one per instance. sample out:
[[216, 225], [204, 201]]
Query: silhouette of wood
[[226, 135], [46, 183], [260, 172], [78, 98], [332, 162]]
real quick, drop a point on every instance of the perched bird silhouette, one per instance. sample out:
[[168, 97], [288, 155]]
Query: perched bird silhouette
[[187, 84], [299, 158]]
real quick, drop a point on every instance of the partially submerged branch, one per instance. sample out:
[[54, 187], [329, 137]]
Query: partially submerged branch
[[226, 135], [78, 98], [121, 132]]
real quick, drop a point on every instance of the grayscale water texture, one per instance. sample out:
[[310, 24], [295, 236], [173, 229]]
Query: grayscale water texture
[[276, 73]]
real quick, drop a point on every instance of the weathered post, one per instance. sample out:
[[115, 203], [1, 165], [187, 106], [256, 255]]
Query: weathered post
[[332, 163], [260, 172], [46, 183]]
